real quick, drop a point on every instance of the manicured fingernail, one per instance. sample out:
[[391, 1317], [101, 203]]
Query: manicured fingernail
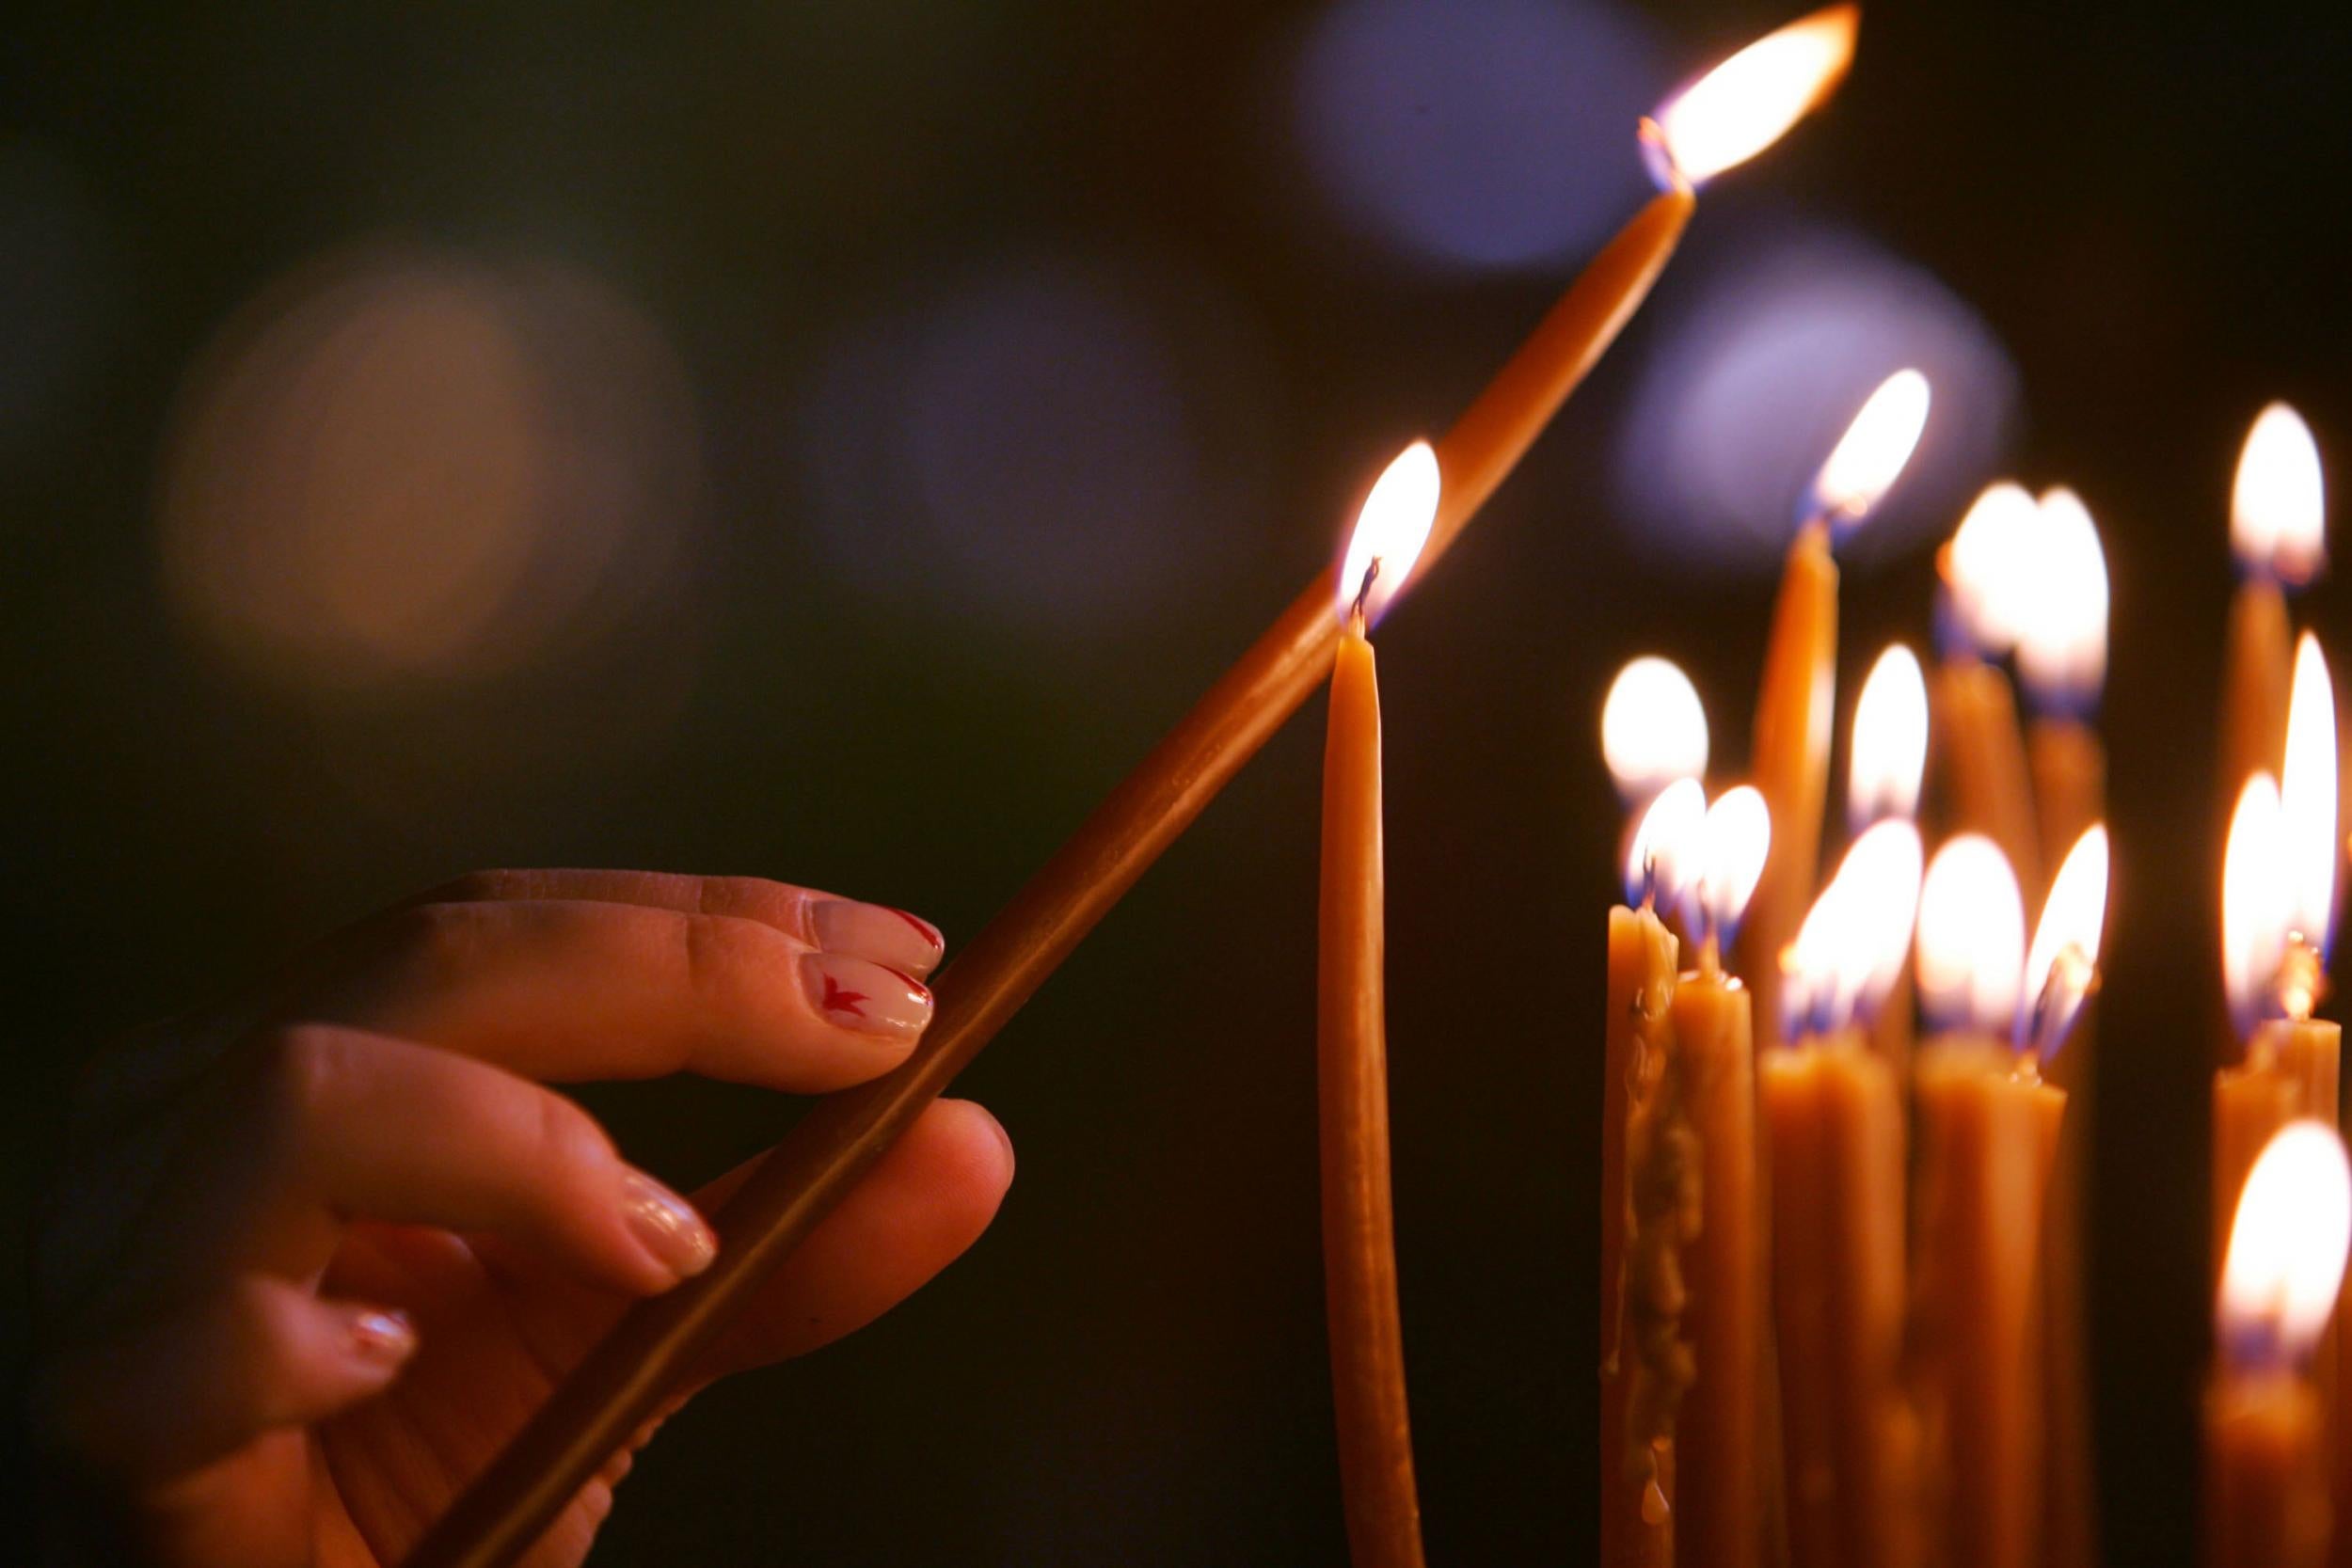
[[878, 932], [871, 998], [385, 1337], [667, 1226]]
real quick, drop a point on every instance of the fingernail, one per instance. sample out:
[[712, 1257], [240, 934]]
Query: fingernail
[[383, 1337], [870, 998], [667, 1226], [877, 931]]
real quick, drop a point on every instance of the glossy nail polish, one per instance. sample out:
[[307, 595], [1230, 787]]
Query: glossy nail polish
[[667, 1226], [870, 998], [876, 931], [382, 1335]]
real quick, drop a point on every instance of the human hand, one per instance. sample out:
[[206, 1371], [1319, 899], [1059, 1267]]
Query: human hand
[[316, 1258]]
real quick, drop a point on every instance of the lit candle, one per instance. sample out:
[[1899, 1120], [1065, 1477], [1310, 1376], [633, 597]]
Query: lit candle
[[2062, 665], [1724, 119], [2267, 1502], [1789, 761], [1986, 595], [1988, 1127], [1367, 1340], [2277, 533], [1834, 1133], [1885, 761], [1725, 1482], [1644, 1364], [2277, 907]]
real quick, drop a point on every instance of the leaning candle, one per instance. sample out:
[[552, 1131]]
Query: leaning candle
[[1723, 1483], [2277, 533], [1367, 1340], [1791, 759], [654, 1350], [2266, 1480], [1987, 571], [1885, 764], [1834, 1133]]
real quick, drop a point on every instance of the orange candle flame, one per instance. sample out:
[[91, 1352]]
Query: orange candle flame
[[2307, 802], [2286, 1248], [1890, 741], [1972, 938], [1988, 568], [1661, 863], [2254, 904], [1388, 534], [1871, 456], [1733, 843], [2062, 633], [1652, 729], [1750, 101], [2278, 506], [2063, 965], [1851, 948]]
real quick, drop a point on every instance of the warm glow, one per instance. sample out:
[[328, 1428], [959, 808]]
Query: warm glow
[[1738, 833], [1972, 938], [1871, 455], [2065, 956], [2253, 903], [1744, 105], [2307, 799], [2062, 626], [1389, 532], [1850, 949], [1662, 861], [2278, 507], [1988, 566], [1890, 741], [2286, 1248], [1652, 729]]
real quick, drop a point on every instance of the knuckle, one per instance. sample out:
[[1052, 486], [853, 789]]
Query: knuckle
[[435, 943]]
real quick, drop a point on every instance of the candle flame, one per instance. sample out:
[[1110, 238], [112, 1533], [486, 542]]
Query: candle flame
[[1890, 741], [2307, 802], [2064, 961], [2278, 507], [1987, 568], [1652, 729], [1851, 948], [1733, 844], [2062, 633], [2254, 904], [1972, 938], [1870, 458], [1662, 861], [1389, 534], [1747, 103], [2287, 1245]]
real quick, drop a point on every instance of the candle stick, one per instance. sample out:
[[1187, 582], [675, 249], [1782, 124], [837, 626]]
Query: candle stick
[[1791, 759], [1367, 1340], [650, 1354], [1724, 1483], [1834, 1133], [2266, 1496], [1988, 571], [1885, 764], [2278, 523]]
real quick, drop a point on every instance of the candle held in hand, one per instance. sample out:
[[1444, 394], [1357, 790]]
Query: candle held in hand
[[1367, 1342]]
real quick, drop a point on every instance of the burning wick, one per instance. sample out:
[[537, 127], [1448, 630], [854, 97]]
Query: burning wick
[[1355, 613]]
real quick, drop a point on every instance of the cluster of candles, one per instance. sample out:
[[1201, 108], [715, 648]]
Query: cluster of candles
[[1775, 1374]]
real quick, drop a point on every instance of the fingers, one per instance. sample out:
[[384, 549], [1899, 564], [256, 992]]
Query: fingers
[[876, 931], [574, 989], [383, 1130], [922, 1203], [185, 1389]]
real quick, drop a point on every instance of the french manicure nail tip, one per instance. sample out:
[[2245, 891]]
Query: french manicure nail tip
[[667, 1226], [877, 931], [871, 998]]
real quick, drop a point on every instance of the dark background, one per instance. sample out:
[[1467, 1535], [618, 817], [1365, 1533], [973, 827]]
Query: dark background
[[943, 390]]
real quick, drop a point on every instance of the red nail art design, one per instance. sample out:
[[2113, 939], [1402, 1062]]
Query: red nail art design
[[863, 995], [931, 933], [840, 1000]]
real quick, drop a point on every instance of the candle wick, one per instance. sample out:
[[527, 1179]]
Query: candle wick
[[1357, 612]]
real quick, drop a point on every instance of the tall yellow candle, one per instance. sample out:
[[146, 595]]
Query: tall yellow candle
[[2266, 1503], [1789, 761], [1367, 1341]]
